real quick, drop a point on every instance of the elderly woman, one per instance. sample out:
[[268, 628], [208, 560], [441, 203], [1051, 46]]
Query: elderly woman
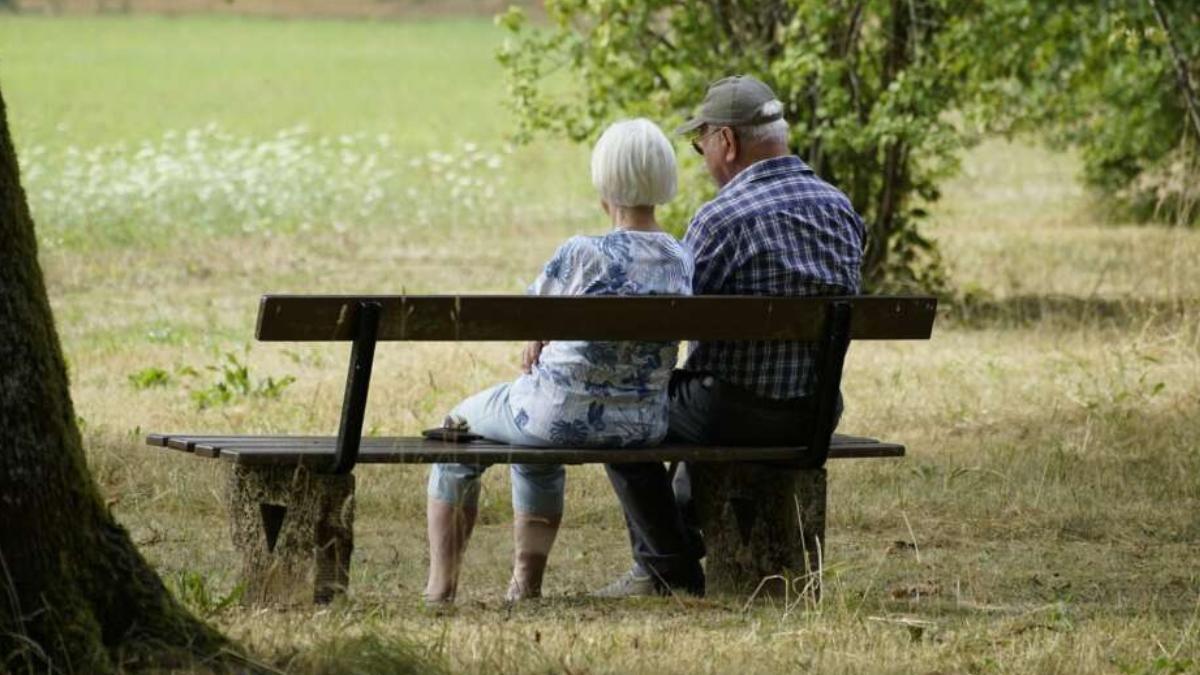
[[582, 394]]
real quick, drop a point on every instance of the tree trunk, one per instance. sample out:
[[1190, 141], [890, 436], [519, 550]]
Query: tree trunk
[[894, 186], [764, 528], [78, 597]]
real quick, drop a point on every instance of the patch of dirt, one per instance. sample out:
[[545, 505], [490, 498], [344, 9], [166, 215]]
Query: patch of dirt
[[915, 591]]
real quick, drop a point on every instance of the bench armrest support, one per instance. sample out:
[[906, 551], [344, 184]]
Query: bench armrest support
[[358, 381], [832, 355]]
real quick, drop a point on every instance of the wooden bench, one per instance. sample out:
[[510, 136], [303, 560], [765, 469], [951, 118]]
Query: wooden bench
[[762, 509]]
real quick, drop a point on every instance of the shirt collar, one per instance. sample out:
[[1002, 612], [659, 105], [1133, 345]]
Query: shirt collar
[[768, 168]]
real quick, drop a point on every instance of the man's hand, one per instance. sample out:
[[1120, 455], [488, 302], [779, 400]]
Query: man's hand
[[530, 355]]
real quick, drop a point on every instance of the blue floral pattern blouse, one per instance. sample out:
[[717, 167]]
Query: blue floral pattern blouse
[[604, 393]]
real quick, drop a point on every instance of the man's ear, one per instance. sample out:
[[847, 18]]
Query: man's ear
[[731, 144]]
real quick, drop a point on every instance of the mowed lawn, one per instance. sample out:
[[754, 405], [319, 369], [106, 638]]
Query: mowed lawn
[[1045, 520]]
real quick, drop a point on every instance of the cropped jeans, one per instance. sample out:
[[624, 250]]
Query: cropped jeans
[[536, 488]]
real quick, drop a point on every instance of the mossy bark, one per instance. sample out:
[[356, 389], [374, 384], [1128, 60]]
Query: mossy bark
[[764, 528], [295, 532], [77, 595]]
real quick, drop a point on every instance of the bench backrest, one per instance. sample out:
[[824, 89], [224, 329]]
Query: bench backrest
[[830, 322], [307, 318]]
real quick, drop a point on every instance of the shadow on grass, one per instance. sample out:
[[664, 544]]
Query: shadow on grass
[[369, 654], [1070, 311]]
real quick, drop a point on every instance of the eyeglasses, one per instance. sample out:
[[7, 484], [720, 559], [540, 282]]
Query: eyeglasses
[[697, 139]]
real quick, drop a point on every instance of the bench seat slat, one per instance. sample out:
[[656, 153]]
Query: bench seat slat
[[291, 450], [188, 443], [157, 440]]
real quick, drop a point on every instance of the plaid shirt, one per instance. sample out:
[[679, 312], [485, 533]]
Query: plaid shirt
[[775, 229]]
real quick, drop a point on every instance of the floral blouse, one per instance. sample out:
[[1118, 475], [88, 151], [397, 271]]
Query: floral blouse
[[604, 393]]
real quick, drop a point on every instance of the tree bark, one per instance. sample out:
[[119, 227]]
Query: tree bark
[[894, 188], [76, 595]]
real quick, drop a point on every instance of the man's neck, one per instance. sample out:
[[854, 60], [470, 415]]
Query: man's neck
[[749, 156], [753, 155]]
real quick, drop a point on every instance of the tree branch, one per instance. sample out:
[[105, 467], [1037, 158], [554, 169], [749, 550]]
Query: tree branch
[[663, 40], [1181, 67], [849, 55], [724, 25]]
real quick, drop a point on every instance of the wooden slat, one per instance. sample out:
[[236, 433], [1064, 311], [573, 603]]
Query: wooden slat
[[517, 317], [208, 447], [317, 451], [188, 443]]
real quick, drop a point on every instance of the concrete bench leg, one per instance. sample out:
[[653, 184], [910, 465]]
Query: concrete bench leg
[[764, 527], [295, 532]]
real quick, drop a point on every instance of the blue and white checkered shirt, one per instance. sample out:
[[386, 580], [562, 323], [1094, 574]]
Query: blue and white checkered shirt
[[775, 229]]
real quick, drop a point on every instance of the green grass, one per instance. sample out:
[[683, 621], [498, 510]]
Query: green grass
[[1053, 479], [130, 79], [136, 131]]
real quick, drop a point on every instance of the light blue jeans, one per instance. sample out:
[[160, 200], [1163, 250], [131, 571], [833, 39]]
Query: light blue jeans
[[536, 488]]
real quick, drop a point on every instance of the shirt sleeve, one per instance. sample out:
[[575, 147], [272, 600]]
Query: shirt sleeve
[[714, 253], [861, 230], [562, 273]]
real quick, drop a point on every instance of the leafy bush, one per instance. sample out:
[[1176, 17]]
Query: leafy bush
[[1102, 76], [149, 377], [866, 85], [193, 590], [881, 94], [234, 382]]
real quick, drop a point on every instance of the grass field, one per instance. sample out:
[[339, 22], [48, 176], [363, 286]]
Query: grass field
[[1046, 513]]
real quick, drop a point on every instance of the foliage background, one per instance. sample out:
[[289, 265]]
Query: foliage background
[[883, 95], [1101, 76]]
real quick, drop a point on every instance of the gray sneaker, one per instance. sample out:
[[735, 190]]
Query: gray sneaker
[[632, 584]]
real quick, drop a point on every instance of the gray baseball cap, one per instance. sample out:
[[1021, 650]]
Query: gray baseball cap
[[732, 102]]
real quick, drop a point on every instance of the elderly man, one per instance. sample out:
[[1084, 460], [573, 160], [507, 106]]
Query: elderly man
[[774, 228]]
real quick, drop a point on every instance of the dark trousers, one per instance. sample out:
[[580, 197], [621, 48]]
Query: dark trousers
[[658, 511]]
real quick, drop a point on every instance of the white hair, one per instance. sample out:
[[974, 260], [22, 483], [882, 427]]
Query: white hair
[[633, 164], [771, 132]]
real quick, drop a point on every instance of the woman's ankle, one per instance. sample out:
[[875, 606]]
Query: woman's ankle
[[533, 538], [449, 530]]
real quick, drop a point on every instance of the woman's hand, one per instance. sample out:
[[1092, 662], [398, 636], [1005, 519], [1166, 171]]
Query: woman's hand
[[530, 355]]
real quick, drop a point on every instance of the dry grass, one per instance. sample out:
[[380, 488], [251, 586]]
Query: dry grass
[[1046, 514], [1051, 489]]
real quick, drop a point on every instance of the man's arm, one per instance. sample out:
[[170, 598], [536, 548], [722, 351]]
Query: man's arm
[[714, 246]]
